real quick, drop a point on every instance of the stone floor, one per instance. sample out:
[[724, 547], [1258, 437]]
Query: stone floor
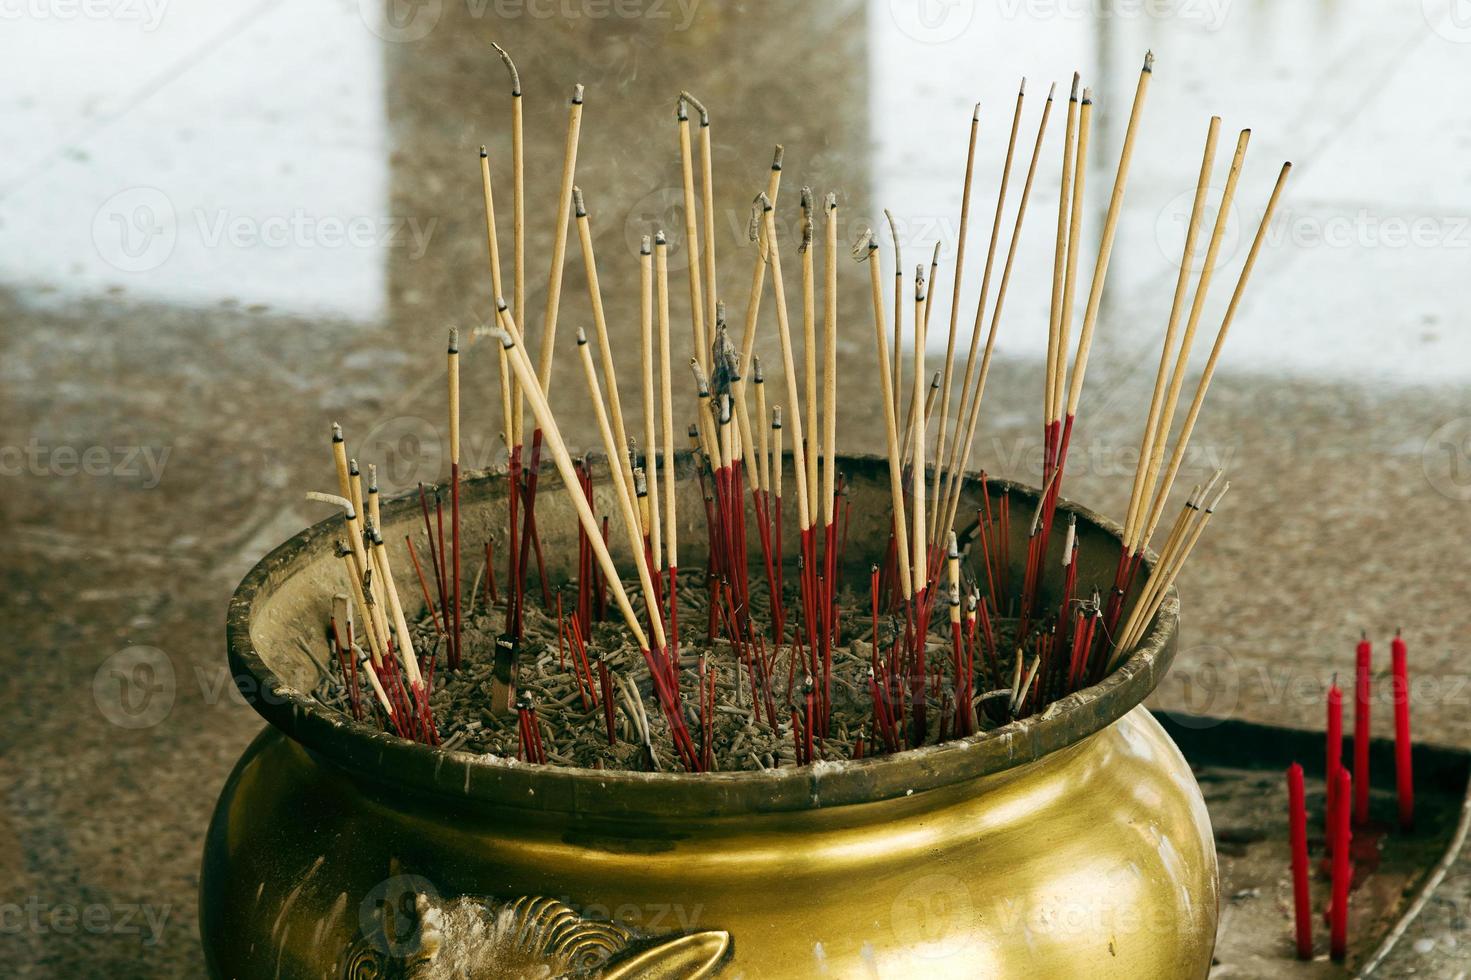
[[224, 226]]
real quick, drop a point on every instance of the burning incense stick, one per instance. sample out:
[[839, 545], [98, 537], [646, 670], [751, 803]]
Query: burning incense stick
[[559, 241], [454, 477], [646, 358], [618, 457], [891, 434], [518, 191], [707, 204], [964, 444], [691, 235]]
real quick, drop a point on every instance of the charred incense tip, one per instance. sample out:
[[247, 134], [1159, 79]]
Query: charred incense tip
[[1148, 61], [643, 245], [507, 342], [702, 383], [724, 409], [699, 107], [640, 482], [1077, 80], [483, 151], [510, 67], [454, 340], [776, 156], [579, 207], [776, 417], [952, 546], [1051, 91], [975, 114], [1022, 90], [757, 376], [830, 203], [352, 467], [680, 112], [1087, 96], [581, 337], [806, 220], [659, 239], [935, 381], [577, 94], [336, 432], [500, 304], [372, 477], [864, 245], [333, 499]]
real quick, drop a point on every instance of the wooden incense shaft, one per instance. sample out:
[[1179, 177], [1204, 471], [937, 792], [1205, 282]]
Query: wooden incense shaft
[[563, 462], [891, 434], [559, 242]]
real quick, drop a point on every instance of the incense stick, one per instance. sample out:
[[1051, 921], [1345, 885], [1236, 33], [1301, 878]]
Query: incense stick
[[1156, 399], [646, 358], [1178, 455], [691, 235], [964, 444], [975, 337], [707, 202], [891, 434], [617, 458], [559, 244]]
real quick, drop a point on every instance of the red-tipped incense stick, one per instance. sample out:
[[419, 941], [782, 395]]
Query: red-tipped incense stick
[[1403, 775], [1363, 701], [1342, 870], [1334, 758], [1298, 833]]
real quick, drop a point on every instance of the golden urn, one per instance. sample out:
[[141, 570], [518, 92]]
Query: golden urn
[[1074, 843]]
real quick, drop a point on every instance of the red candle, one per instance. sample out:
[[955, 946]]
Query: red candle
[[1298, 834], [1342, 872], [1362, 696], [1404, 780], [1335, 754]]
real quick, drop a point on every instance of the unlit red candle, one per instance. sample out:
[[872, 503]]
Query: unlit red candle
[[1363, 699], [1404, 779], [1335, 755], [1297, 815], [1342, 870]]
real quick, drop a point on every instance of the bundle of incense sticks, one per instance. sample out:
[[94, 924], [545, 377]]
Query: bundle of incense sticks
[[1057, 637]]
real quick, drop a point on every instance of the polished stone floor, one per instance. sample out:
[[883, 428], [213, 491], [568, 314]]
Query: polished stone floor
[[224, 226]]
